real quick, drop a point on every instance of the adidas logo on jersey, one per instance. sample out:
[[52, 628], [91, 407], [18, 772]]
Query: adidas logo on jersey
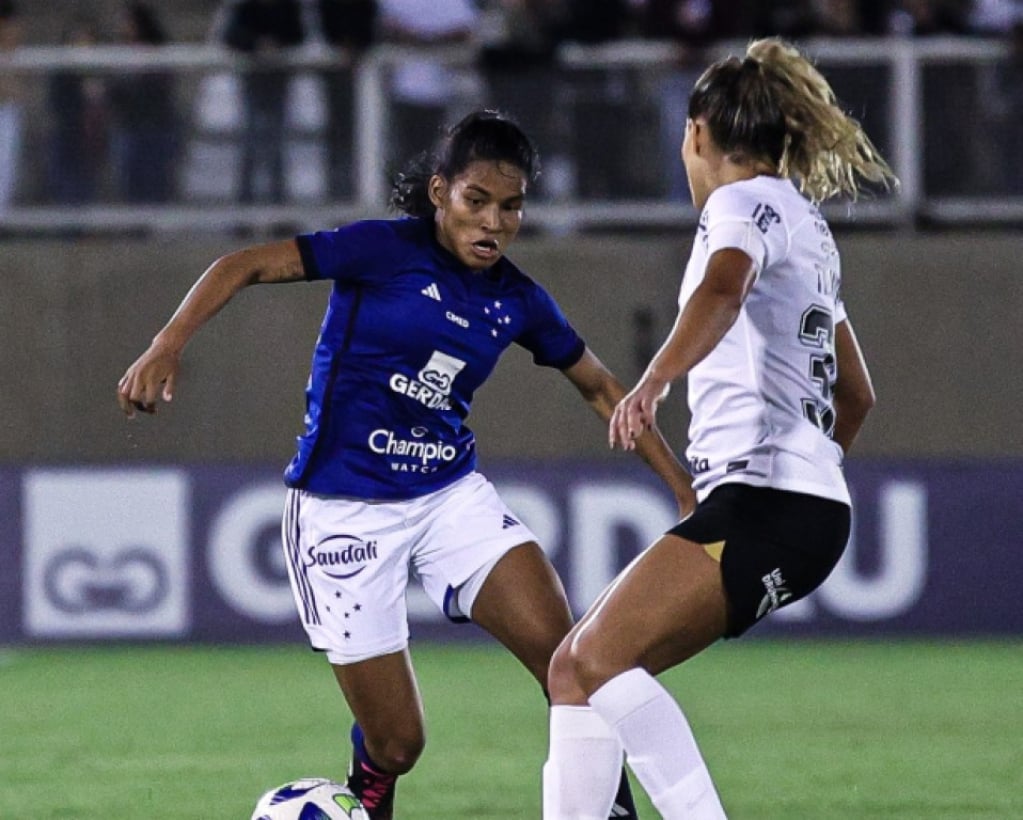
[[432, 291], [509, 522]]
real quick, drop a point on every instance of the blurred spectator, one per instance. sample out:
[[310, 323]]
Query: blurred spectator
[[1009, 92], [524, 35], [948, 92], [690, 24], [261, 29], [596, 21], [80, 123], [602, 104], [995, 17], [1013, 84], [422, 89], [518, 64], [11, 93], [348, 27], [145, 124], [792, 19], [821, 18], [837, 18], [924, 18]]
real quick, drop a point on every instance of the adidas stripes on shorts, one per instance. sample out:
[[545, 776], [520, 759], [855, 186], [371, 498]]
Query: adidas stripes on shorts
[[349, 561]]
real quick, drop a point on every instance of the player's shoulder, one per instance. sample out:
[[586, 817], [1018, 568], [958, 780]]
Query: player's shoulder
[[379, 232], [763, 200], [404, 230], [506, 280], [508, 276]]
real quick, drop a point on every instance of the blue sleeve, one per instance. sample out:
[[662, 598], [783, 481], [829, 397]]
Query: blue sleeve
[[351, 253], [548, 335]]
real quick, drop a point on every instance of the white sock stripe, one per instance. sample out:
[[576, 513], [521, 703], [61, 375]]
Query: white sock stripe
[[624, 694], [579, 722], [694, 796]]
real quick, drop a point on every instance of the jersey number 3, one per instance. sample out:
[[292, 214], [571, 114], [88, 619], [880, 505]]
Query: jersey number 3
[[817, 330]]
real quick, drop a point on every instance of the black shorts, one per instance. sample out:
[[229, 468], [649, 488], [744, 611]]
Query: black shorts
[[775, 546]]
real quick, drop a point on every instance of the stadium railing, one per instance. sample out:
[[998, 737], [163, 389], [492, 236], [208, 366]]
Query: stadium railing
[[608, 120]]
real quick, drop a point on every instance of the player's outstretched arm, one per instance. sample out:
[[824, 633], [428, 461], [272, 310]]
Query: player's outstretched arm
[[706, 318], [602, 391], [153, 374], [854, 393]]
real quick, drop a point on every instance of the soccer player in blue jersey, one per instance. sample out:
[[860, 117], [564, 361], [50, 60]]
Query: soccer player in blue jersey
[[384, 481]]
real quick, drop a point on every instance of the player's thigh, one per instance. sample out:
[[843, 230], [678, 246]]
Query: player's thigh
[[522, 603], [666, 606], [348, 566], [384, 697], [479, 562]]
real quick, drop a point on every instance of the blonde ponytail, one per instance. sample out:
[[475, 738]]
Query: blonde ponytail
[[825, 150]]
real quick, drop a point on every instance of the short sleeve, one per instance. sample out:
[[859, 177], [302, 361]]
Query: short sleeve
[[740, 235], [548, 334], [740, 216], [352, 253], [840, 312]]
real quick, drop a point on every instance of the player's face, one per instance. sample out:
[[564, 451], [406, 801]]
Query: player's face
[[479, 211]]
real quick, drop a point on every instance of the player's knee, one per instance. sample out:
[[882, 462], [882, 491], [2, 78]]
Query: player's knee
[[591, 666], [398, 753], [562, 683]]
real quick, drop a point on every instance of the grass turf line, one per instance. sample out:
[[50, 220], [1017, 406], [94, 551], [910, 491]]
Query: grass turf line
[[795, 729]]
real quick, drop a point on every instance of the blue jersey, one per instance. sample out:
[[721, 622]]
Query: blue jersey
[[409, 334]]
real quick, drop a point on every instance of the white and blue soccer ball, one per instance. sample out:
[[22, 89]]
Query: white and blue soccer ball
[[311, 798]]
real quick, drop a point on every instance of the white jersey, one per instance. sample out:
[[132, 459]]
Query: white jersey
[[761, 400]]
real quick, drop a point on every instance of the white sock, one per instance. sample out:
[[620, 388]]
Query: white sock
[[659, 746], [583, 768]]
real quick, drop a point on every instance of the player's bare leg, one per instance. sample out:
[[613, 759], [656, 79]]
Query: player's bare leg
[[389, 734], [668, 605], [523, 604]]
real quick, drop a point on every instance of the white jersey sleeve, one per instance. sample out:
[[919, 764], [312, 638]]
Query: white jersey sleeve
[[760, 402], [736, 218]]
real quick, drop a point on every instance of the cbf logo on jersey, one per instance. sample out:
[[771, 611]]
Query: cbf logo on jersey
[[433, 385], [341, 556]]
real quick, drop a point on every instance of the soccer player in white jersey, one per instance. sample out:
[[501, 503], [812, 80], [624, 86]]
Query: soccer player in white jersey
[[778, 390], [384, 479]]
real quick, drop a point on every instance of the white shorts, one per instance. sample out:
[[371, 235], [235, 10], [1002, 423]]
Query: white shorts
[[349, 561]]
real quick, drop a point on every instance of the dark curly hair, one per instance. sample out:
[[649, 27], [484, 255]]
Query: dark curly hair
[[482, 135]]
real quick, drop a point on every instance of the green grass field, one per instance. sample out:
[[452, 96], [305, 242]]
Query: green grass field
[[789, 729]]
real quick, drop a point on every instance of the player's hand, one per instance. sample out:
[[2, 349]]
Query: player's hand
[[636, 412], [152, 376]]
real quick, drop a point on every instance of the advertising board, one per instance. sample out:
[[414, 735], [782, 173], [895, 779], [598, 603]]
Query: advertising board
[[192, 553]]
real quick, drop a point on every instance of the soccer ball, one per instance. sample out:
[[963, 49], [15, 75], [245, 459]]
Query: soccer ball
[[311, 798]]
